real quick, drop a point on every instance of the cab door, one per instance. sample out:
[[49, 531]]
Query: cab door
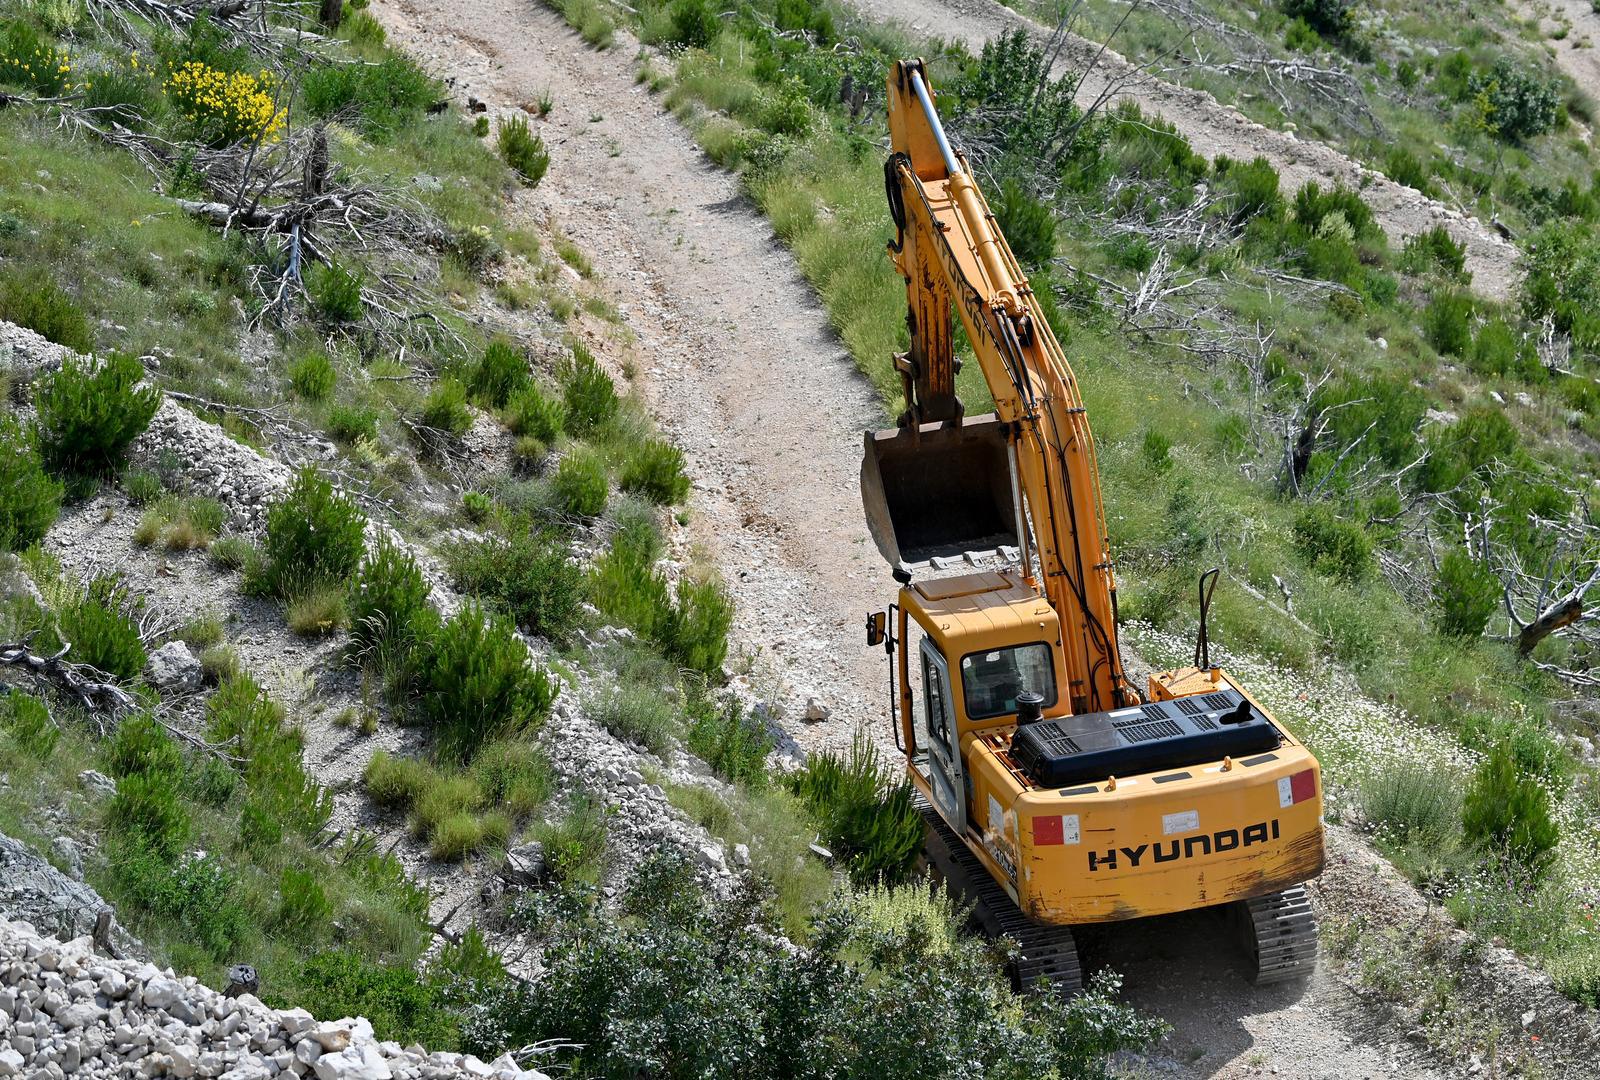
[[944, 741]]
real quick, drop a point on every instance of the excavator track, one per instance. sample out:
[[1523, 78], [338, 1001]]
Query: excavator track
[[1048, 955], [1280, 936]]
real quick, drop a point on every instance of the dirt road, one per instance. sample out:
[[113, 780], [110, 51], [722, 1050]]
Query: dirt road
[[1214, 129], [1575, 53], [748, 379]]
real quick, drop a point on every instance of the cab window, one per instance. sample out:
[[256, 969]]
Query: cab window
[[937, 716], [991, 680]]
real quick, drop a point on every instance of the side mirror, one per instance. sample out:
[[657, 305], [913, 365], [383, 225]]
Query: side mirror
[[877, 628]]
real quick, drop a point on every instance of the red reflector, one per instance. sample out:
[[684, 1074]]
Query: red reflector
[[1047, 830], [1304, 785]]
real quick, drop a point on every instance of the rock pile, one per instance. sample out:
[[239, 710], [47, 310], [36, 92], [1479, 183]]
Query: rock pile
[[65, 1011]]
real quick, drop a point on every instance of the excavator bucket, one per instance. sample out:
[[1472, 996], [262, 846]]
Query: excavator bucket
[[941, 491]]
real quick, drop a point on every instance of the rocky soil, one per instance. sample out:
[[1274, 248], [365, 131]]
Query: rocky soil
[[1214, 129], [64, 1010]]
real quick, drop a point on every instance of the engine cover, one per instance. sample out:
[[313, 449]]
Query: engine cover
[[1141, 739]]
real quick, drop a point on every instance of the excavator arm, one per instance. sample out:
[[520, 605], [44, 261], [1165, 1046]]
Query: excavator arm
[[952, 255]]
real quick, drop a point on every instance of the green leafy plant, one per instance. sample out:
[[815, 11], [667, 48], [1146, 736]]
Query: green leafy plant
[[694, 24], [1520, 103], [381, 96], [530, 573], [99, 626], [1467, 593], [27, 720], [1507, 813], [30, 498], [1333, 545], [500, 374], [522, 150], [587, 391], [313, 377], [351, 424], [727, 737], [1447, 323], [267, 753], [317, 611], [147, 810], [1029, 225], [314, 536], [654, 468], [533, 412], [446, 408], [31, 298], [336, 291], [89, 413], [866, 815], [479, 683], [580, 482]]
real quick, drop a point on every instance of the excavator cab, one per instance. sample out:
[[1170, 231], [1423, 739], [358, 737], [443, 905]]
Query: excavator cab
[[940, 490]]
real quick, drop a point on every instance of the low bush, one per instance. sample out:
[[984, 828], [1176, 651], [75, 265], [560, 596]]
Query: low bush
[[1435, 251], [27, 721], [141, 745], [580, 483], [89, 413], [694, 631], [1156, 450], [318, 611], [533, 412], [691, 626], [587, 391], [522, 150], [31, 298], [304, 912], [351, 424], [654, 469], [1411, 802], [396, 783], [195, 892], [314, 536], [1028, 224], [146, 810], [575, 844], [446, 408], [267, 754], [499, 375], [1447, 323], [677, 984], [1253, 186], [1521, 103], [381, 97], [865, 814], [400, 1003], [182, 523], [1336, 547], [641, 715], [142, 487], [30, 498], [389, 600], [727, 737], [1507, 813], [1467, 594], [101, 631], [1495, 349], [478, 683], [530, 573], [694, 24], [1332, 17], [336, 291], [513, 775]]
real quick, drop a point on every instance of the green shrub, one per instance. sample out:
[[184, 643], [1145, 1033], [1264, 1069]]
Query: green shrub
[[446, 408], [31, 60], [638, 714], [336, 291], [304, 911], [529, 573], [478, 683], [1521, 104], [1404, 167], [1562, 281], [654, 469], [587, 392], [314, 536], [317, 611], [350, 424], [267, 753], [1494, 351], [532, 412], [513, 775], [1435, 250], [401, 1004], [624, 583], [27, 720], [103, 635], [694, 24], [382, 96], [1467, 593], [728, 738], [89, 414], [210, 782], [865, 814], [396, 783], [580, 483], [1156, 449], [1338, 548], [388, 599], [522, 150], [31, 298], [182, 524], [1507, 813], [313, 377], [147, 811], [1412, 802], [1447, 323], [1254, 188], [575, 844], [1333, 17], [236, 553], [1300, 36], [1029, 225], [141, 745], [695, 629], [197, 895], [142, 487], [501, 373], [30, 498]]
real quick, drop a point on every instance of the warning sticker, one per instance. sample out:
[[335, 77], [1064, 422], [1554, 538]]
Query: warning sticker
[[1186, 821], [1069, 828]]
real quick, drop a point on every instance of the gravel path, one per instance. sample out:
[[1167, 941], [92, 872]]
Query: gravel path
[[1577, 59], [744, 373], [1215, 129]]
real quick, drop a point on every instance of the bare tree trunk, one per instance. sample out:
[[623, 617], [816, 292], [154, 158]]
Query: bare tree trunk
[[332, 13], [1557, 616]]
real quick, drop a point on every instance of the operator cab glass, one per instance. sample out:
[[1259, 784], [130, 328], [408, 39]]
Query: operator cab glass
[[991, 680]]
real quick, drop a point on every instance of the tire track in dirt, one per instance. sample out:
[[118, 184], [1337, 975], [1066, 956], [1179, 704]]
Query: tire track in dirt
[[1214, 129]]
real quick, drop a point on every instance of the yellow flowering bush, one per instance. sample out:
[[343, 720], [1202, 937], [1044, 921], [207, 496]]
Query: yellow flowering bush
[[229, 106], [27, 61]]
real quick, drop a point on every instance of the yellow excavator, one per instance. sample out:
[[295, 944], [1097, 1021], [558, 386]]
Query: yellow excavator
[[1055, 792]]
